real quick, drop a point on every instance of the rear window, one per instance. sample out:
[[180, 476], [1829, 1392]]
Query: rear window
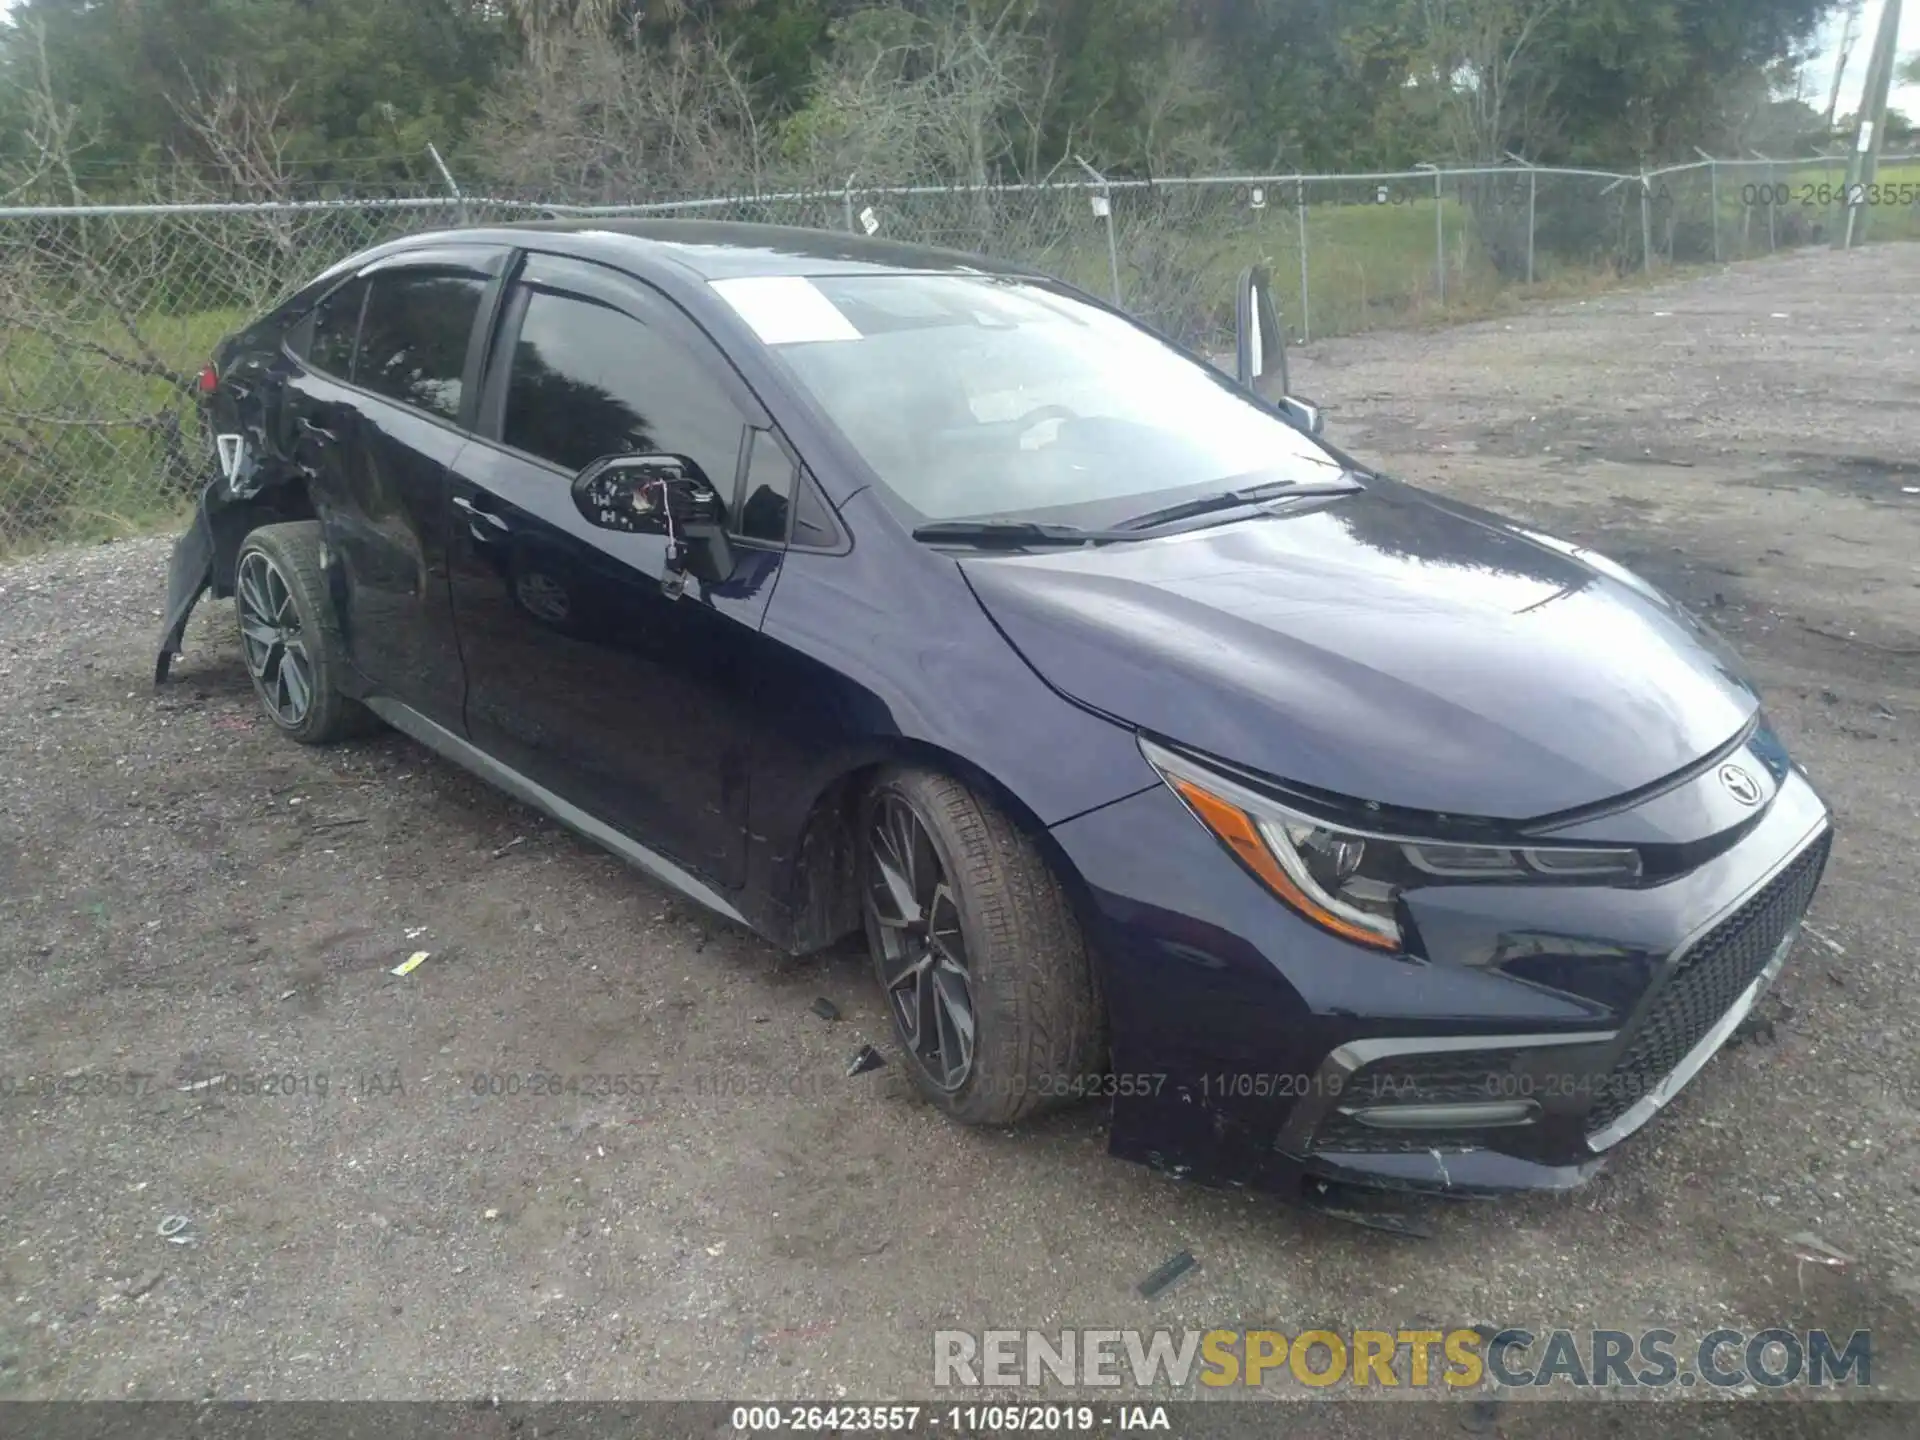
[[413, 341], [336, 330]]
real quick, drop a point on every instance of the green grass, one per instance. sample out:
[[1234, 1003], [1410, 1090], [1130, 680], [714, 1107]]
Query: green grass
[[85, 452]]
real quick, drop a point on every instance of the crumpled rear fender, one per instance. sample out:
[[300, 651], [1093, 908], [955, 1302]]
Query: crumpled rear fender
[[189, 575], [204, 556]]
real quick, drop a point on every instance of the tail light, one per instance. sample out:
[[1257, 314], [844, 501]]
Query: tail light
[[209, 380]]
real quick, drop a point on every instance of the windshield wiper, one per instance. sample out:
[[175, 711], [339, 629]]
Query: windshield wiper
[[1235, 499], [1015, 533]]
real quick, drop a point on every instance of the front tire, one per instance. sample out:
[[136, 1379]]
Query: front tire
[[288, 636], [980, 959]]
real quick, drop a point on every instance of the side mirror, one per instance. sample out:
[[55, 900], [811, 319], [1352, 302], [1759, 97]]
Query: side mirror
[[1262, 344], [1262, 352], [1305, 414], [662, 495], [644, 495]]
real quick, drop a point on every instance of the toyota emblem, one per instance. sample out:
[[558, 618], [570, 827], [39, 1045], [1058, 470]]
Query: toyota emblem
[[1742, 786]]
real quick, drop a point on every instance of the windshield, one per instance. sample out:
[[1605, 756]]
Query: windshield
[[974, 397]]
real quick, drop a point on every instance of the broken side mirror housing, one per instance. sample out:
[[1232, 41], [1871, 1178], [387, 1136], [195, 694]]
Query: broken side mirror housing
[[664, 495], [1261, 351]]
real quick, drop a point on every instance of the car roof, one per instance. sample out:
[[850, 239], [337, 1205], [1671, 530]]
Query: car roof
[[719, 250]]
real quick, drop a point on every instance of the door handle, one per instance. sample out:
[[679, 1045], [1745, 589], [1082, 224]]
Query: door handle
[[317, 432], [477, 518]]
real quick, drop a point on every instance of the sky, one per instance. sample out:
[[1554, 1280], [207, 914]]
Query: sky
[[1905, 98]]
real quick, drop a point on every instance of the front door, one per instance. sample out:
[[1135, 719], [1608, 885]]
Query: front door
[[582, 673]]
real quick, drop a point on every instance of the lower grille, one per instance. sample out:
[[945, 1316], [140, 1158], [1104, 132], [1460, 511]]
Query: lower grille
[[1709, 978], [1456, 1077]]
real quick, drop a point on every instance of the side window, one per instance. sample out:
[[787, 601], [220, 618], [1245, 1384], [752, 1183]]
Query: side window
[[768, 495], [589, 380], [813, 526], [413, 343], [336, 329]]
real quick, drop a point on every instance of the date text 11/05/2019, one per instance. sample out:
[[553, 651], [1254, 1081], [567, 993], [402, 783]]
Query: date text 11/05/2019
[[952, 1419]]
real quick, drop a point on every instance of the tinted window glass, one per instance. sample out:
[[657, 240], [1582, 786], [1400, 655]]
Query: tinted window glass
[[336, 325], [590, 381], [813, 521], [769, 490], [413, 343]]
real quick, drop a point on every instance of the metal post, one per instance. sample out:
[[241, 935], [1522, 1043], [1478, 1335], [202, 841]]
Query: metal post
[[460, 201], [1306, 303], [1713, 181], [1646, 225], [847, 197], [1439, 231], [1773, 192], [1533, 203], [1105, 211]]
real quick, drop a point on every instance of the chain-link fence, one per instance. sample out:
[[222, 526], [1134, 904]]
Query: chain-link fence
[[107, 313]]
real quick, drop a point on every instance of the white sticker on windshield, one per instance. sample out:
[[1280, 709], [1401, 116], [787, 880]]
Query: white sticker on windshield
[[786, 309]]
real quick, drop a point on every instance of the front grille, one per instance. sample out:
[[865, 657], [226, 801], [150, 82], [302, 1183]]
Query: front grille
[[1710, 977]]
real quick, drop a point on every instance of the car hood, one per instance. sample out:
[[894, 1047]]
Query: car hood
[[1387, 646]]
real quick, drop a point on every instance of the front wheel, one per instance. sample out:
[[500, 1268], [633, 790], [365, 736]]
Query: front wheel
[[982, 963]]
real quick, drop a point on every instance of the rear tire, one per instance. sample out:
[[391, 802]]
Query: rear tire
[[963, 913], [290, 639]]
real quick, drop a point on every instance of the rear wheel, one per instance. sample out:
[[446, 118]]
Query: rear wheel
[[292, 647], [983, 966]]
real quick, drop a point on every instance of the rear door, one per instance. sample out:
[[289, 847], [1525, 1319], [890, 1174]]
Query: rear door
[[390, 380], [582, 674]]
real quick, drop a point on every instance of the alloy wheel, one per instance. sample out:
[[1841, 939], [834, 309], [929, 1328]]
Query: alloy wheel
[[923, 953], [276, 652]]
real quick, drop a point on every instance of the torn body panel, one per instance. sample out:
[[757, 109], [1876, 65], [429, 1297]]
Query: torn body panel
[[203, 557]]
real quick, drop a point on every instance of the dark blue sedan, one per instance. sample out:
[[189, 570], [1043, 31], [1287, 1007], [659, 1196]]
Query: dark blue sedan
[[1162, 753]]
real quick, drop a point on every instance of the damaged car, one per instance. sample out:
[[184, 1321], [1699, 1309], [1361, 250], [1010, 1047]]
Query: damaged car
[[1160, 752]]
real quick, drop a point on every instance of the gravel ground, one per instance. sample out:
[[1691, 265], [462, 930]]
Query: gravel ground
[[183, 895]]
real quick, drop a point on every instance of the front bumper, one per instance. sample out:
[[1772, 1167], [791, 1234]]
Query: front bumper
[[1544, 1026]]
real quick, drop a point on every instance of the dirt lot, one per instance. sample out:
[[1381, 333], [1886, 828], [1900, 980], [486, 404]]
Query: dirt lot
[[182, 894]]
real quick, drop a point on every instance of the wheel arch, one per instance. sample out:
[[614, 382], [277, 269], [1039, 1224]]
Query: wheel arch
[[823, 889], [230, 524]]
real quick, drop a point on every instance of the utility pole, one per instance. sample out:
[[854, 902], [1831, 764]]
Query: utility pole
[[1865, 162]]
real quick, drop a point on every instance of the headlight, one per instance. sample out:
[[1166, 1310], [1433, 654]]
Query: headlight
[[1349, 881]]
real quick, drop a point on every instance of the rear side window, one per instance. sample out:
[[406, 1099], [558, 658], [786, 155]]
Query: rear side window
[[336, 329], [413, 342], [590, 381]]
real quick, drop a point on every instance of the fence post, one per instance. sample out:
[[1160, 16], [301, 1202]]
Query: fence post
[[846, 196], [1439, 232], [460, 201], [1533, 207], [1773, 191], [1713, 176], [1306, 300], [1103, 207], [1646, 224]]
